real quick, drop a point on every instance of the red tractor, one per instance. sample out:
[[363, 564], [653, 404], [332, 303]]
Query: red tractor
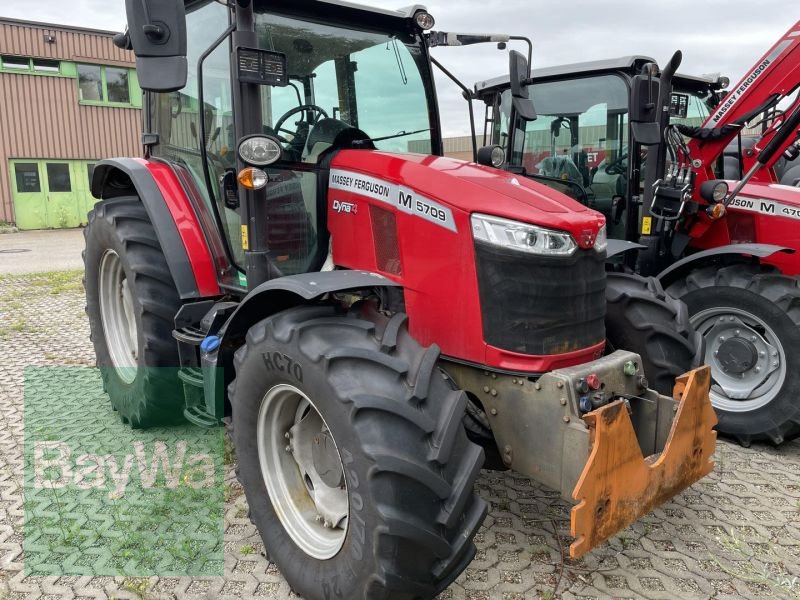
[[371, 320], [651, 149]]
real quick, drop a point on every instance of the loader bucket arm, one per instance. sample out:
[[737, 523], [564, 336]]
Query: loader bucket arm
[[774, 76], [618, 484]]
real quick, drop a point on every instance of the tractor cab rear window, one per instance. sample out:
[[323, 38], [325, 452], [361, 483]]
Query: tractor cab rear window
[[343, 78]]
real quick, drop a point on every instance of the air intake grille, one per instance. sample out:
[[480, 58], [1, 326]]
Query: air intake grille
[[384, 232], [541, 305]]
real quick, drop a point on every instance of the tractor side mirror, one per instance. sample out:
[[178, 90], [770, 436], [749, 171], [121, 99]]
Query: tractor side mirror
[[645, 89], [157, 35], [520, 97]]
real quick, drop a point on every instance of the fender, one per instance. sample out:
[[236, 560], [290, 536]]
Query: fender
[[175, 222], [266, 300], [677, 269]]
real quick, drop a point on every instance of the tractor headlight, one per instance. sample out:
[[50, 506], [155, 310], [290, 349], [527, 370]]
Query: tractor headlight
[[714, 190], [259, 150], [424, 20], [601, 241], [522, 236]]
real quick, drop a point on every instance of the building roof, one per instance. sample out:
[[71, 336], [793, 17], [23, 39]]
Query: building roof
[[43, 25]]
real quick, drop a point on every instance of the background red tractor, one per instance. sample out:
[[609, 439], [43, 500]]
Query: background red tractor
[[612, 134], [371, 320]]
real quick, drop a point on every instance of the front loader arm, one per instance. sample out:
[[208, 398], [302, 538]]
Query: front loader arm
[[775, 75]]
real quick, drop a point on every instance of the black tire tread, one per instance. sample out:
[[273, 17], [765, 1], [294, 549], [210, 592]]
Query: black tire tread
[[159, 400], [768, 282], [436, 458], [644, 318]]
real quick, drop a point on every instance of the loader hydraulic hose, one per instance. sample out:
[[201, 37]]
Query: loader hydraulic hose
[[789, 128], [664, 96]]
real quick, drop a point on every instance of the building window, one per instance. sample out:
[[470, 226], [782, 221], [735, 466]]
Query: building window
[[46, 66], [90, 83], [24, 64], [58, 179], [115, 86], [117, 83], [27, 175]]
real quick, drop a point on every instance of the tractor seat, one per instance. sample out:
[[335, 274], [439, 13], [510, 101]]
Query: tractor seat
[[321, 137], [560, 167]]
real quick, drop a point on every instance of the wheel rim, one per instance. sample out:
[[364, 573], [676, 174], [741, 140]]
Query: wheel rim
[[748, 363], [302, 471], [118, 317]]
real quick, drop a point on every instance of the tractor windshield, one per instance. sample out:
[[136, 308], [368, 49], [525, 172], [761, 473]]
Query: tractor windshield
[[340, 78], [581, 134]]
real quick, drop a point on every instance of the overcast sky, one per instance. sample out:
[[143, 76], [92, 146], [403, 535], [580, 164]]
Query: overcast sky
[[725, 36]]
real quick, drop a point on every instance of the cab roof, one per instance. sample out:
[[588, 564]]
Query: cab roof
[[631, 64], [309, 5]]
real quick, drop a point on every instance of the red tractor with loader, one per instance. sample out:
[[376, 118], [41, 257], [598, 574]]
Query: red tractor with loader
[[373, 322], [663, 157]]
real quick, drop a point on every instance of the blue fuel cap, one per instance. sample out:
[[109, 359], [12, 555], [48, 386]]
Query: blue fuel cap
[[209, 344]]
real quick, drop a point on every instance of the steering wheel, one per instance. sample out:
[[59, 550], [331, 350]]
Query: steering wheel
[[616, 167], [319, 114]]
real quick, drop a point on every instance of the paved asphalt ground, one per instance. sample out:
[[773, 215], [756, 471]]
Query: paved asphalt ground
[[736, 534], [38, 251]]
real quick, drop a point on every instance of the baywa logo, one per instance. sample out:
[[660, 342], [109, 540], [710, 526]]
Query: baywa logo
[[95, 471], [104, 499]]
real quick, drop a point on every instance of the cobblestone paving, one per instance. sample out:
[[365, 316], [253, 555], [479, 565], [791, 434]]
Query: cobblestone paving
[[735, 534]]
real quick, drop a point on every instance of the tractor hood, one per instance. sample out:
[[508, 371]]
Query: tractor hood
[[474, 188]]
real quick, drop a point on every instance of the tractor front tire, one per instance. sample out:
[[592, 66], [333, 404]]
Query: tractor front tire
[[750, 317], [641, 317], [390, 471], [131, 302]]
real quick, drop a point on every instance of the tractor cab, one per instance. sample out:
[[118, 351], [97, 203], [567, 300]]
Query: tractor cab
[[301, 86], [581, 142]]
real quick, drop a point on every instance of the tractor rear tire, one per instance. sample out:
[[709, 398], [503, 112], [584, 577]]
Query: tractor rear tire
[[761, 305], [405, 465], [641, 317], [123, 257]]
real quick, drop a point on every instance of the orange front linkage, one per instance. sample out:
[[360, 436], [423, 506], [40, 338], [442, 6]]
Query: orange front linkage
[[618, 484]]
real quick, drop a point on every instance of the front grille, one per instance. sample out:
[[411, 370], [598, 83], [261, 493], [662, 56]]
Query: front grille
[[541, 305]]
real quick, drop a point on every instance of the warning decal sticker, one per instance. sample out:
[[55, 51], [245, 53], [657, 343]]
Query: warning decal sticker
[[404, 199]]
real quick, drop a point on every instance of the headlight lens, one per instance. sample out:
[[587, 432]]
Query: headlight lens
[[720, 191], [424, 20], [259, 150], [601, 241], [522, 236], [498, 157]]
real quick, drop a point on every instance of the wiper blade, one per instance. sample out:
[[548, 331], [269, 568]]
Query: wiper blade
[[399, 134]]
